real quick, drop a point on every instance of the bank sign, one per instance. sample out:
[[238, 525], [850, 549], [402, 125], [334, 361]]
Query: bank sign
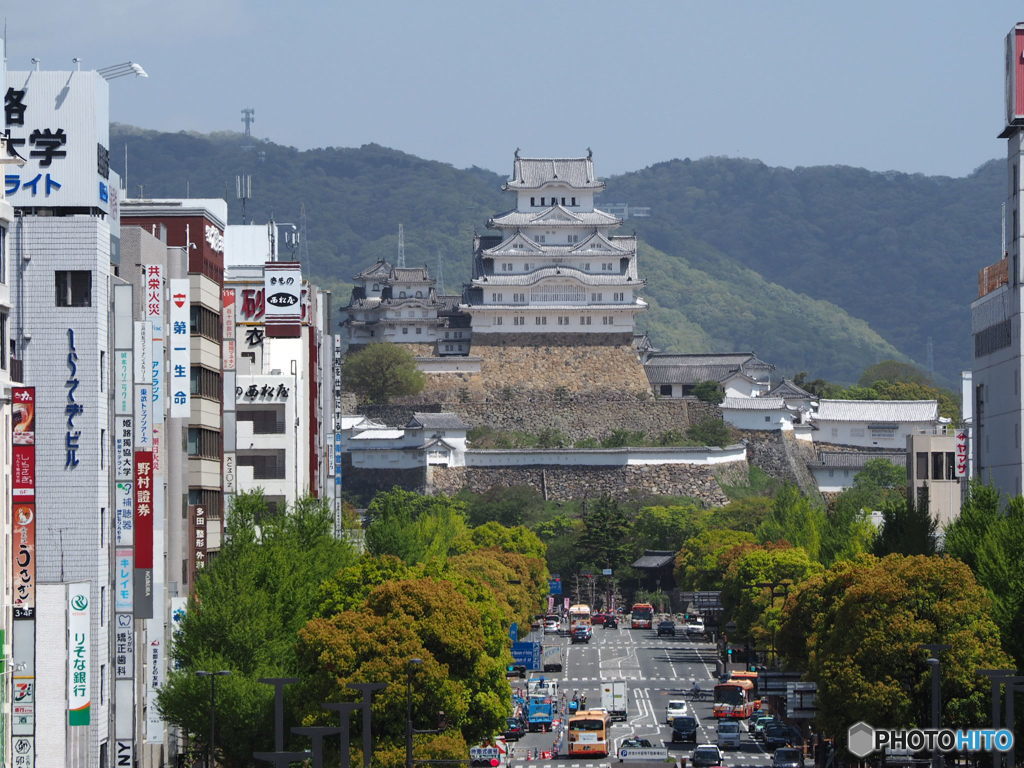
[[59, 123]]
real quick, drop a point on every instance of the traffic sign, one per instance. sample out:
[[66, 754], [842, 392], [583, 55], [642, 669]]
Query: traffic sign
[[555, 586], [650, 753], [526, 654]]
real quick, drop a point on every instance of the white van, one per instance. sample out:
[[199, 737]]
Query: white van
[[729, 734]]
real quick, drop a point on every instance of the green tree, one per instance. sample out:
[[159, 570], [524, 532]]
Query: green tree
[[744, 514], [248, 605], [709, 391], [380, 372], [666, 527], [978, 513], [894, 371], [416, 528], [755, 585], [519, 539], [858, 629], [907, 528], [508, 506], [604, 538], [880, 473], [702, 561], [794, 519], [711, 432]]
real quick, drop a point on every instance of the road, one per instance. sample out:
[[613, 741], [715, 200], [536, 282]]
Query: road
[[656, 669]]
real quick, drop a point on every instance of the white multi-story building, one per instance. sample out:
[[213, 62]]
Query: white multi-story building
[[556, 268], [876, 423], [997, 404], [283, 403]]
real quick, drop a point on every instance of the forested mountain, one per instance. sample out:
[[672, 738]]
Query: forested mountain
[[824, 269]]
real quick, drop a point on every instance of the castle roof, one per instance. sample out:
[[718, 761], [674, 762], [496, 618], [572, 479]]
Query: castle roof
[[411, 274], [787, 389], [881, 411], [379, 270], [550, 218], [535, 172], [753, 404], [538, 275], [436, 421], [857, 459]]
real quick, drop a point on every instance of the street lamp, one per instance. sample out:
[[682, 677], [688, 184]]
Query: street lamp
[[213, 709], [410, 665]]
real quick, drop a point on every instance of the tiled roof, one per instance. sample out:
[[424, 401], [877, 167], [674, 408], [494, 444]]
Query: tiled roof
[[436, 421], [857, 459], [378, 434], [531, 172], [529, 278], [411, 274], [593, 218], [788, 389], [877, 410], [379, 269], [735, 359], [655, 558], [753, 404], [658, 373]]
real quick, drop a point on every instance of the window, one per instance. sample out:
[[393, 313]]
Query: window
[[506, 267], [519, 320], [419, 294], [542, 320], [73, 288], [204, 322], [103, 368], [539, 238], [572, 238], [448, 347], [103, 614], [526, 267], [563, 320], [264, 422], [950, 465], [585, 320], [103, 667], [938, 466], [497, 321], [419, 331], [205, 383], [265, 466], [596, 297], [401, 294], [405, 330], [618, 297], [496, 298], [211, 501], [563, 201], [518, 298], [103, 448], [376, 286], [606, 320], [767, 418], [665, 389], [542, 202], [921, 465], [586, 267], [533, 202], [204, 443], [103, 526], [573, 201]]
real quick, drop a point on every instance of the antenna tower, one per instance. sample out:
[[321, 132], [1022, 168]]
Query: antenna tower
[[401, 246], [243, 190], [440, 271], [930, 356], [248, 118]]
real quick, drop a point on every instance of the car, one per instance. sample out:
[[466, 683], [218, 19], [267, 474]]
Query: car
[[667, 628], [611, 621], [684, 728], [580, 635], [758, 725], [706, 756], [695, 626], [779, 734], [551, 626], [598, 618], [515, 729], [729, 734], [537, 621], [788, 757], [675, 708]]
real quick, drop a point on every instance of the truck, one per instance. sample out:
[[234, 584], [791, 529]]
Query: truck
[[540, 713], [542, 687], [551, 658], [615, 699]]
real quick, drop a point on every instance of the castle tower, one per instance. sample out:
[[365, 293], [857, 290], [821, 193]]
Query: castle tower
[[555, 274]]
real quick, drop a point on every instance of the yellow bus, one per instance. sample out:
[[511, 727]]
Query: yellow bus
[[588, 733], [579, 616]]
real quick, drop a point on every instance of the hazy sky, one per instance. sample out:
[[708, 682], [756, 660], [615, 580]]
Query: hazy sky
[[910, 85]]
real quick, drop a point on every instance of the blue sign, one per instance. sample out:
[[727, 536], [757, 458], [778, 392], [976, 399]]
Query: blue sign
[[526, 654], [555, 586], [513, 632]]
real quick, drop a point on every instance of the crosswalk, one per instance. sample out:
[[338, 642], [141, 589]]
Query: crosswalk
[[635, 678]]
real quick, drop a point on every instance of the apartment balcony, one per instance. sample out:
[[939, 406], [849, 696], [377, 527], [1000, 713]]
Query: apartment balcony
[[249, 478]]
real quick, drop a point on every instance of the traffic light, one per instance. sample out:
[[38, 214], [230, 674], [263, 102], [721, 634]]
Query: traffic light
[[485, 762]]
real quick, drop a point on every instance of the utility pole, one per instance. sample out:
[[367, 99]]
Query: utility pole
[[248, 118], [401, 246]]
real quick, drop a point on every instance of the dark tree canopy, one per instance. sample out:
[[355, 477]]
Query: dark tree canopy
[[380, 372]]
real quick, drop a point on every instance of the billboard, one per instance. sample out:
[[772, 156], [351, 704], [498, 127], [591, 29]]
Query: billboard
[[23, 508], [282, 290], [23, 538], [197, 540], [59, 123], [143, 534], [1015, 75], [962, 442], [79, 681]]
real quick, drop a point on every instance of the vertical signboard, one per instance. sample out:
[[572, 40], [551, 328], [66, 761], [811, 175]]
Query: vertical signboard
[[124, 396], [23, 577], [227, 330], [228, 363], [154, 300], [197, 540], [961, 452], [143, 534], [78, 675], [179, 342]]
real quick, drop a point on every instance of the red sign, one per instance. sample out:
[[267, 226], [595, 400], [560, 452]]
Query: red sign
[[143, 480], [961, 453], [23, 539], [253, 305]]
